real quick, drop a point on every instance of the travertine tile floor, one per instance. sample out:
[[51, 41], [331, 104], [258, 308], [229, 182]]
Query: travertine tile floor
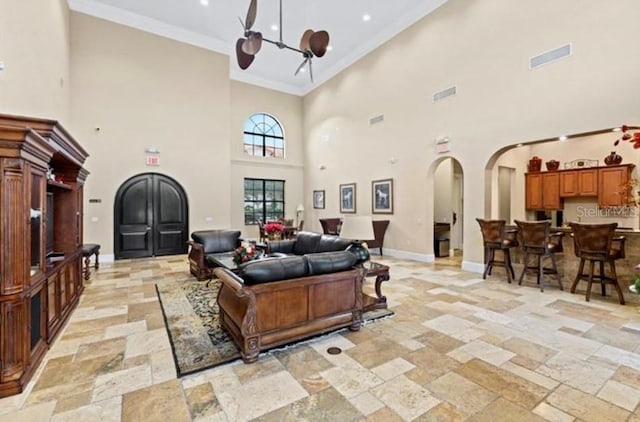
[[458, 348]]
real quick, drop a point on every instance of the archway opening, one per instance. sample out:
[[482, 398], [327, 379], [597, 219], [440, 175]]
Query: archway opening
[[448, 211]]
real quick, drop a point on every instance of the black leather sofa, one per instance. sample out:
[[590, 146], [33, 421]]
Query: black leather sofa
[[306, 243], [210, 243], [276, 301]]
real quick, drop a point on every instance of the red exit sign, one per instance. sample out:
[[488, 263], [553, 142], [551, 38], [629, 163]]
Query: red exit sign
[[153, 160]]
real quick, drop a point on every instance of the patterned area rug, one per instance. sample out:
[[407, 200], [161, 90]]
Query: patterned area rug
[[191, 316]]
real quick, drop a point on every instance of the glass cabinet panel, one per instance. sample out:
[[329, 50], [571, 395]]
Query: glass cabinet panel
[[36, 220]]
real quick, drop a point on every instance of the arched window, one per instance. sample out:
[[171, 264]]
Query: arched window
[[263, 136]]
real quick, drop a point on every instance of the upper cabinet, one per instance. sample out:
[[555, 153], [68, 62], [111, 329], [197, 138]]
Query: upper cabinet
[[579, 183], [613, 188], [546, 190], [543, 191]]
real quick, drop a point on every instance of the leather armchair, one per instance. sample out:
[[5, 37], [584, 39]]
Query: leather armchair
[[308, 242], [210, 243]]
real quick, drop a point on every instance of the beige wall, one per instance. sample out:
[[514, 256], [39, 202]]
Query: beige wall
[[483, 48], [34, 46], [142, 91]]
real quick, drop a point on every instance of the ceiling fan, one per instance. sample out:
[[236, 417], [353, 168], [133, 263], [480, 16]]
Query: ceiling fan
[[312, 43]]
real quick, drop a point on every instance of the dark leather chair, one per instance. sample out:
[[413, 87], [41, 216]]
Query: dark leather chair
[[331, 225], [597, 243], [379, 229], [212, 243], [496, 238], [537, 240], [306, 243]]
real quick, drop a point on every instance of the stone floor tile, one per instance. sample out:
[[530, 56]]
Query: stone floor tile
[[366, 403], [503, 410], [282, 390], [552, 414], [628, 376], [485, 351], [163, 401], [576, 372], [621, 395], [468, 397], [585, 406], [383, 415], [405, 397], [38, 413], [121, 382], [392, 368]]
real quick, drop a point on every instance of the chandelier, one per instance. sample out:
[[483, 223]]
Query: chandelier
[[312, 43]]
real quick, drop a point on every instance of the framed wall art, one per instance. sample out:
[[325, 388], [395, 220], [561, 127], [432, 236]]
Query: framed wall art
[[382, 196], [318, 199], [348, 198]]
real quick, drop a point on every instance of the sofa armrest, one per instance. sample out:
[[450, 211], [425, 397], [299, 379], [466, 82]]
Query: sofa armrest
[[283, 246], [196, 253]]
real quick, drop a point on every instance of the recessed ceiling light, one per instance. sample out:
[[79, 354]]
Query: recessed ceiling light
[[274, 27], [302, 70], [204, 2], [366, 17], [329, 47], [563, 138], [519, 145]]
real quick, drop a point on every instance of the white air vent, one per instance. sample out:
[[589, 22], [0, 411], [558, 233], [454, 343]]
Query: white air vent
[[550, 56], [444, 94], [377, 119]]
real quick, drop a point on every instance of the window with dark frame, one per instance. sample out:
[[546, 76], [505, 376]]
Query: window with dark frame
[[263, 200], [263, 136]]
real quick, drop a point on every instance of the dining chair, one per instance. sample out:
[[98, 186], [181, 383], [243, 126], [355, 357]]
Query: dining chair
[[496, 238]]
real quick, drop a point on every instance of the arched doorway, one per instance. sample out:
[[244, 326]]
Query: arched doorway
[[448, 212], [150, 217]]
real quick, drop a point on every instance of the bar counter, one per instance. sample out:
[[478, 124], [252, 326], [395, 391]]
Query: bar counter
[[568, 267]]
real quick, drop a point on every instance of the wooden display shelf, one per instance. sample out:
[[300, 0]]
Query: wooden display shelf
[[58, 185]]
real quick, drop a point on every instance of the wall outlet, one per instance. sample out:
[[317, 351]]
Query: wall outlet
[[208, 219], [94, 219]]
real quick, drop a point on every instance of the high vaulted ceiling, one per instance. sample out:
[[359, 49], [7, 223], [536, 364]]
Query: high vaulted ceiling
[[215, 26]]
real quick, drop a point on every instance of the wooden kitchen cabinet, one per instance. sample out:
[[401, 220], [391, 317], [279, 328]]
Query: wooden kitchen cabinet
[[579, 183], [612, 181], [542, 191]]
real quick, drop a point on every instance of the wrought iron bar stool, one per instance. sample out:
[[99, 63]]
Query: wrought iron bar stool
[[537, 240], [495, 237], [597, 243]]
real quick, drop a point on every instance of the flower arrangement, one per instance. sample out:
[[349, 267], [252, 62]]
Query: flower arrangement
[[628, 136], [635, 284], [244, 253], [274, 227]]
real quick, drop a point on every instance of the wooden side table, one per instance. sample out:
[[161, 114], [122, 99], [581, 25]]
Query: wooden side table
[[381, 273]]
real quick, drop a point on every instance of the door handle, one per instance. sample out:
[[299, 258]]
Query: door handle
[[148, 228]]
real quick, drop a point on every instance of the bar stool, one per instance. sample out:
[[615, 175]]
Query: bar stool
[[495, 237], [89, 249], [595, 243], [538, 240]]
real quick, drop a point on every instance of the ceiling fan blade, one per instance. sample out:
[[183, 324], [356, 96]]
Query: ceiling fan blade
[[253, 43], [251, 14], [244, 59], [241, 23], [319, 42], [304, 41], [301, 66], [310, 70]]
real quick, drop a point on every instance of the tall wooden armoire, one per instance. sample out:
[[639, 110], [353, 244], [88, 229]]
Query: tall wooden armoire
[[41, 179]]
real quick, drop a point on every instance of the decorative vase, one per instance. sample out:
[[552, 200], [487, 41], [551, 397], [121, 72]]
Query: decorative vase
[[535, 164], [275, 236], [613, 159], [552, 165]]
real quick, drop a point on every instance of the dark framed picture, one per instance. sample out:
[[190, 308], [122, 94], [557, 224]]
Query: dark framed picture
[[382, 196], [318, 199], [348, 198]]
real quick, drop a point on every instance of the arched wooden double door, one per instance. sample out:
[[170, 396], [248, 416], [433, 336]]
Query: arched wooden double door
[[150, 217]]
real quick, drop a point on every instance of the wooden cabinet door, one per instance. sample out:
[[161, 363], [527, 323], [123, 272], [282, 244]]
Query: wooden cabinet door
[[569, 183], [611, 181], [533, 191], [14, 326], [53, 306], [551, 191], [588, 182]]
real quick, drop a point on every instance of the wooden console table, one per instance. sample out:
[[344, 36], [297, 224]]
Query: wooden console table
[[381, 273]]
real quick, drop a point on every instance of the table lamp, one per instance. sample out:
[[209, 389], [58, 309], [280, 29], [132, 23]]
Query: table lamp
[[358, 229]]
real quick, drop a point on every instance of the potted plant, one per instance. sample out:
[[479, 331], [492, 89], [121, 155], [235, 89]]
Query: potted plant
[[274, 230], [244, 253]]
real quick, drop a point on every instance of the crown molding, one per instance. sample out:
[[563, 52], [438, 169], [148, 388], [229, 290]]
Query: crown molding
[[143, 23]]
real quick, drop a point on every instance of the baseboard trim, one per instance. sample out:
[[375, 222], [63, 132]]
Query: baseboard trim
[[107, 257], [395, 253], [474, 267]]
